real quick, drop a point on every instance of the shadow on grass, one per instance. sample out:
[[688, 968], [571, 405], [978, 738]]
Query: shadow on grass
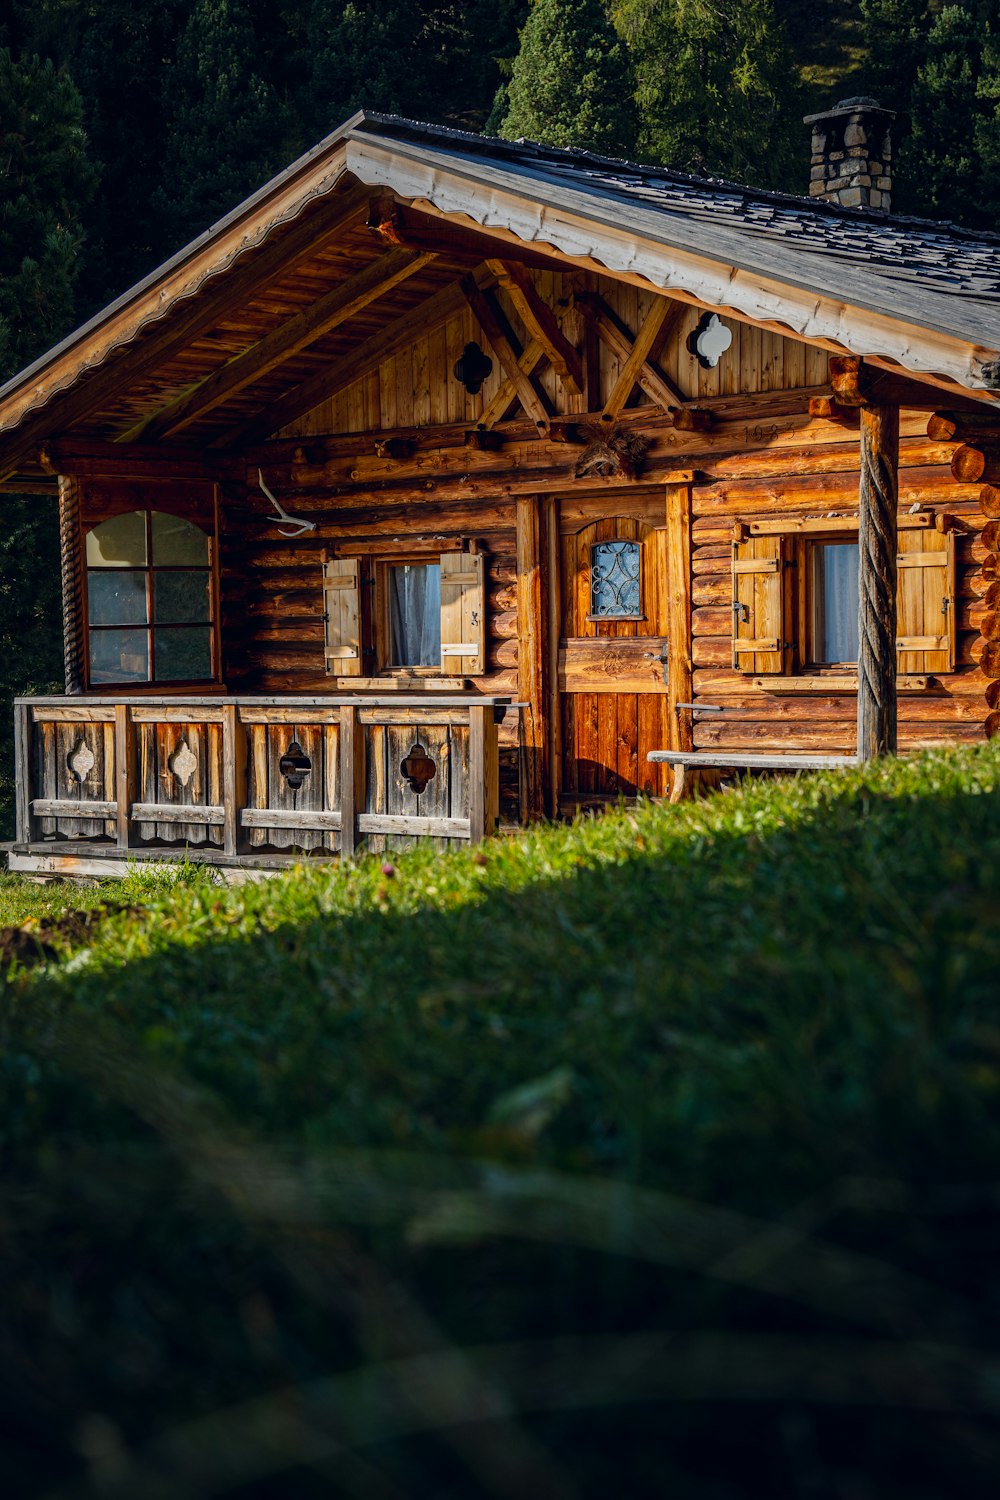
[[669, 1172]]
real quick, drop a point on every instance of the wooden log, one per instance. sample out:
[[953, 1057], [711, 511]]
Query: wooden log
[[992, 694], [877, 544], [962, 427], [991, 726], [503, 624], [989, 501], [533, 655], [990, 536], [829, 409], [693, 419], [989, 659], [540, 322], [970, 464], [989, 627]]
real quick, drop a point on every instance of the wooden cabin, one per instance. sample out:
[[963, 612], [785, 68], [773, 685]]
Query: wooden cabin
[[448, 479]]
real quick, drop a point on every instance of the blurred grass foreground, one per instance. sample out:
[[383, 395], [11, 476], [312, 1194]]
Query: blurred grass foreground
[[658, 1155]]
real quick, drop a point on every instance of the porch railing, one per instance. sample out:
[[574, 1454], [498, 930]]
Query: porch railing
[[229, 778]]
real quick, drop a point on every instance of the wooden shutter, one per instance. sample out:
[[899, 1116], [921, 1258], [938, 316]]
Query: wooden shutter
[[925, 601], [759, 604], [342, 603], [463, 614]]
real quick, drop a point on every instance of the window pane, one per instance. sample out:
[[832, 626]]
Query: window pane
[[183, 655], [415, 615], [118, 543], [181, 598], [116, 598], [835, 602], [614, 580], [177, 542], [119, 656]]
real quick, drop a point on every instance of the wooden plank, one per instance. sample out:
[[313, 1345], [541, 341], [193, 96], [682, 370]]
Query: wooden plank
[[751, 761], [484, 790], [679, 688], [540, 321], [367, 356], [269, 817], [408, 823], [166, 813], [352, 784], [619, 340], [23, 776], [552, 595], [67, 807], [662, 316], [234, 775], [532, 656], [500, 337], [603, 664], [315, 321], [124, 774], [463, 614]]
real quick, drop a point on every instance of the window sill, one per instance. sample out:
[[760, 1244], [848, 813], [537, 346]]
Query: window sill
[[839, 683], [403, 683]]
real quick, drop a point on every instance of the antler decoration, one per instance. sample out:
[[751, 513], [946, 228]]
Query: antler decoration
[[297, 523]]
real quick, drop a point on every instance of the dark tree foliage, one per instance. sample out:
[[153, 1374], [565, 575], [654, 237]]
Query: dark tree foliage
[[936, 66], [715, 89], [45, 183], [571, 83], [228, 129]]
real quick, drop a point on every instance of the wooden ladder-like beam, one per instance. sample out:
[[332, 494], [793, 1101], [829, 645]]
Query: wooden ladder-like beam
[[541, 322], [499, 335]]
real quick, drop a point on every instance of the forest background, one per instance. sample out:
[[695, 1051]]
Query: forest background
[[127, 129]]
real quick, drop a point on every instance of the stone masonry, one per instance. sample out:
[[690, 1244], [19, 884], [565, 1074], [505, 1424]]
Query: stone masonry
[[852, 154]]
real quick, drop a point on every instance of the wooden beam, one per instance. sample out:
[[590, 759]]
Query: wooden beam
[[396, 223], [314, 322], [533, 655], [680, 727], [499, 335], [662, 316], [619, 340], [71, 568], [858, 382], [877, 501], [541, 323], [139, 339], [368, 355], [505, 397], [98, 458]]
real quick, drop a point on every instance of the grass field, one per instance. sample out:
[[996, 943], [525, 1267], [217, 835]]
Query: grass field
[[655, 1155]]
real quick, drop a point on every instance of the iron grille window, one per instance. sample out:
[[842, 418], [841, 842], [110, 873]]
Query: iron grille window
[[615, 581], [149, 600]]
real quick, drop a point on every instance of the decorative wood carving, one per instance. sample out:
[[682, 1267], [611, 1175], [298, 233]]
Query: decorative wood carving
[[81, 760], [183, 763]]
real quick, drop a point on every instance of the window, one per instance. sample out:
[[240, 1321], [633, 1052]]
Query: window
[[833, 585], [414, 600], [795, 599], [615, 581], [424, 615], [149, 600]]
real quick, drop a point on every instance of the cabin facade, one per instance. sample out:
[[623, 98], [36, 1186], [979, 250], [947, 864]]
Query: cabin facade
[[447, 480]]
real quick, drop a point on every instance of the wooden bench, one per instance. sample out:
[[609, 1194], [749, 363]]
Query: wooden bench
[[684, 761]]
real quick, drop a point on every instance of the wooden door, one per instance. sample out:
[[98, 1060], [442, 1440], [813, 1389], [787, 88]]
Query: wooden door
[[612, 659]]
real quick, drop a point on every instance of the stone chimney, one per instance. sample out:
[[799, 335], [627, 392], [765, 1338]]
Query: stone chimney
[[852, 154]]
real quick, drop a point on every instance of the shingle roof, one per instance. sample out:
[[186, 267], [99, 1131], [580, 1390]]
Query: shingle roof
[[904, 266]]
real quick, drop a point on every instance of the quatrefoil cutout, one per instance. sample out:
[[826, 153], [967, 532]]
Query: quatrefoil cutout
[[183, 763], [81, 760]]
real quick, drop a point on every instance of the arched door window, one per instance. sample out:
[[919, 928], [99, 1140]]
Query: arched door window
[[615, 580], [149, 601]]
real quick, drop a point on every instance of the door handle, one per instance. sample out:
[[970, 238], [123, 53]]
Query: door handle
[[663, 655]]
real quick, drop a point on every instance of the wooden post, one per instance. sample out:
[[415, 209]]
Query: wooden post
[[70, 562], [680, 729], [234, 776], [484, 778], [532, 655], [552, 601], [352, 745], [22, 773], [124, 773], [877, 502]]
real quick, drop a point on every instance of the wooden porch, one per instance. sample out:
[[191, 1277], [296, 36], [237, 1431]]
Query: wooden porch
[[248, 782]]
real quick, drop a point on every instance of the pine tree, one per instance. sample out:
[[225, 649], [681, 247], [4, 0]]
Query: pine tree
[[45, 181], [988, 131], [938, 166], [571, 84], [895, 41], [715, 88], [228, 130]]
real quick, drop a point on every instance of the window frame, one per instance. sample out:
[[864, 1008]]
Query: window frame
[[593, 619], [804, 655], [381, 631], [151, 684]]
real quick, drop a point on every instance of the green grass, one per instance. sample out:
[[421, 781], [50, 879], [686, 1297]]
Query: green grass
[[678, 1127]]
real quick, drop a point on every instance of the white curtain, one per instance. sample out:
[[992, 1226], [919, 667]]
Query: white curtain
[[835, 602], [415, 614]]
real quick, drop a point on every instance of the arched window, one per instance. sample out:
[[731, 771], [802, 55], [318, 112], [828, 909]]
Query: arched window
[[149, 601], [615, 581]]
